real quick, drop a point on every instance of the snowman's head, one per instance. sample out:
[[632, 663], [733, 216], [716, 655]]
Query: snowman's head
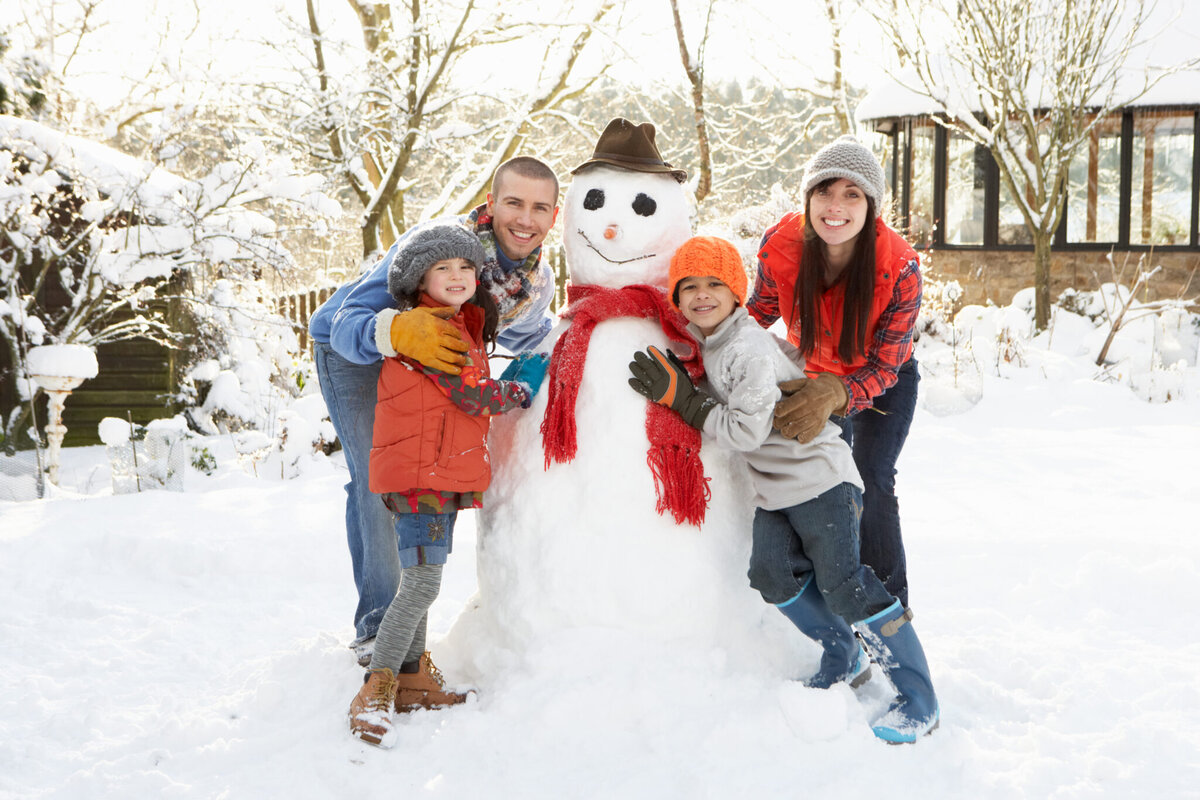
[[620, 226]]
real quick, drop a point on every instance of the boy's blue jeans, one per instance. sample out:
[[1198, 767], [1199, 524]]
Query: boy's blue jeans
[[876, 436], [349, 392], [817, 539]]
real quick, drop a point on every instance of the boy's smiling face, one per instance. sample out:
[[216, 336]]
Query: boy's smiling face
[[705, 302]]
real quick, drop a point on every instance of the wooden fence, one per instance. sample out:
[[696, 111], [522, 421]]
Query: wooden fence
[[299, 307]]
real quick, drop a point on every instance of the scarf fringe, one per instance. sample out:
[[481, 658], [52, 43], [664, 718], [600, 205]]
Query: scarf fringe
[[680, 483], [559, 439]]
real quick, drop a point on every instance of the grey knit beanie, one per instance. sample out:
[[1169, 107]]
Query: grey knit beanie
[[847, 158], [424, 248]]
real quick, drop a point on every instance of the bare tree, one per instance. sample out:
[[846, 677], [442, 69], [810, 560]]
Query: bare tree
[[524, 115], [1029, 81], [420, 126], [835, 91], [694, 69]]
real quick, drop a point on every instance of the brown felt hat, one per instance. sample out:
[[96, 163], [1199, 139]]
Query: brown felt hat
[[632, 147]]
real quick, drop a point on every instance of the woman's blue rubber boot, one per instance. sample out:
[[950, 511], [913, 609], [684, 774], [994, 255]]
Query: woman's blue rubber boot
[[843, 659], [894, 646]]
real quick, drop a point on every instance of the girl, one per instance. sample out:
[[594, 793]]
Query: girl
[[849, 288], [429, 460]]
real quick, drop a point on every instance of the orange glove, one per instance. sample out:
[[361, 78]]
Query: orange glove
[[807, 404], [424, 335]]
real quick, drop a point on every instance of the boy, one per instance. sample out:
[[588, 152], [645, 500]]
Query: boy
[[809, 496]]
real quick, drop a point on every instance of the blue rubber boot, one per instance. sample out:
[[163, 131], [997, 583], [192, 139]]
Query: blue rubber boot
[[843, 658], [895, 648]]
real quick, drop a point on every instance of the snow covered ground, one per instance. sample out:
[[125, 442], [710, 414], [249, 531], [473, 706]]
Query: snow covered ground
[[193, 644]]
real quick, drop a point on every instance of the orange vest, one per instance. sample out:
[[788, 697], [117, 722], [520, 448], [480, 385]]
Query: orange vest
[[421, 439], [781, 256]]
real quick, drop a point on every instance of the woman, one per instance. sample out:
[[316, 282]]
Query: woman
[[849, 288]]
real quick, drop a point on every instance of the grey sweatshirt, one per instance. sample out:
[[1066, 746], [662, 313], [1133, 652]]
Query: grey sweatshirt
[[744, 363]]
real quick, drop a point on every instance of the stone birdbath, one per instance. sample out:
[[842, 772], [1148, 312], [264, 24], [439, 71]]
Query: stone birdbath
[[58, 369]]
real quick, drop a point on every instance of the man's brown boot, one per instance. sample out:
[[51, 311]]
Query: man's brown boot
[[424, 688], [371, 708]]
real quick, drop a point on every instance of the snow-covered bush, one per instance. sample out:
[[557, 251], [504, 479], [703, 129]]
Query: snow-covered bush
[[163, 448], [90, 237], [245, 369], [1104, 334], [249, 379]]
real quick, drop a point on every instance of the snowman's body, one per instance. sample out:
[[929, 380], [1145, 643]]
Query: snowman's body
[[576, 553]]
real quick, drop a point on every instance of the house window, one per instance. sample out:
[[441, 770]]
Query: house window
[[1012, 228], [1134, 183], [1161, 202], [920, 203], [966, 179], [1094, 187]]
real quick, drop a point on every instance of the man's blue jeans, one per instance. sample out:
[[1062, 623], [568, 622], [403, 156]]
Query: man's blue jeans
[[349, 392], [876, 436]]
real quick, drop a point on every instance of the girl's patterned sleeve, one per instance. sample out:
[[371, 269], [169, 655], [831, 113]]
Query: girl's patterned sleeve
[[892, 344], [476, 393]]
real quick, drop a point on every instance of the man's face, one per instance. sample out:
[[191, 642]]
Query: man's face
[[523, 211]]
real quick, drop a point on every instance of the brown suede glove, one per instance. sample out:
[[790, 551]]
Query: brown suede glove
[[807, 404], [424, 335]]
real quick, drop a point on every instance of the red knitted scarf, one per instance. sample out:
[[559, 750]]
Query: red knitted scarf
[[674, 455]]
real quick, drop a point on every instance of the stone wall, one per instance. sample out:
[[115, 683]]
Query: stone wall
[[997, 275]]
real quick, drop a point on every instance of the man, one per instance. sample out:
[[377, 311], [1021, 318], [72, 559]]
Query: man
[[359, 326]]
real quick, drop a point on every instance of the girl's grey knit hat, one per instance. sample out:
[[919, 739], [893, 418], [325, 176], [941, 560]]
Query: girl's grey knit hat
[[847, 158], [425, 247]]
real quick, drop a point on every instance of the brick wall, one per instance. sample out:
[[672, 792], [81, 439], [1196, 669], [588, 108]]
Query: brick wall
[[997, 275]]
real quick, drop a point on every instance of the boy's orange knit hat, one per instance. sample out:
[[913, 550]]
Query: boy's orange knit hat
[[708, 255]]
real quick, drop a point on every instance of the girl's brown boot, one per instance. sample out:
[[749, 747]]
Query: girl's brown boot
[[371, 709], [424, 688]]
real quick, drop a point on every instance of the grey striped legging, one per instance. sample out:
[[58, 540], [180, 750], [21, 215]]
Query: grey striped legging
[[401, 636]]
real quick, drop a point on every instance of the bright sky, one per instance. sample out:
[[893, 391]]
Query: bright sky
[[217, 37], [785, 44]]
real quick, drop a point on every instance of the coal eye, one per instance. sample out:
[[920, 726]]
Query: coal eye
[[593, 199], [644, 205]]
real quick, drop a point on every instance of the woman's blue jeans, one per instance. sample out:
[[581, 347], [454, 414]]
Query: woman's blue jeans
[[876, 436], [349, 392]]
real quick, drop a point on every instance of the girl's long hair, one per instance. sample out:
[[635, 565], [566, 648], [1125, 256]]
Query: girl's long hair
[[858, 278], [482, 298]]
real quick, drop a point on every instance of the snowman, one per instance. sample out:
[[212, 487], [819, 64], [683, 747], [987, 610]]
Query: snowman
[[608, 527]]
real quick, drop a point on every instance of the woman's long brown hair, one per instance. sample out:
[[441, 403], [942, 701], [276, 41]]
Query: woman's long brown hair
[[858, 277]]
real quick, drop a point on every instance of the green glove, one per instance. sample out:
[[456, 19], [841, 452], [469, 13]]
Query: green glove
[[664, 380]]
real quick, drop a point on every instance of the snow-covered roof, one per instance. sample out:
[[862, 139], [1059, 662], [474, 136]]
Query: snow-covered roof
[[1172, 38]]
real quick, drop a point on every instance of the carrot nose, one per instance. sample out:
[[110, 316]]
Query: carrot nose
[[610, 232]]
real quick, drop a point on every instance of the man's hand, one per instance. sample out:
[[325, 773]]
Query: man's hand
[[807, 404], [424, 335], [664, 380]]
